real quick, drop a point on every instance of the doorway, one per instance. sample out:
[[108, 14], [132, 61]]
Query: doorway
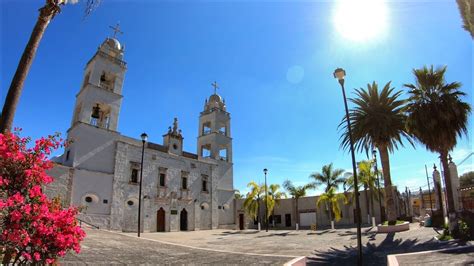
[[160, 220], [183, 224], [288, 220], [241, 221]]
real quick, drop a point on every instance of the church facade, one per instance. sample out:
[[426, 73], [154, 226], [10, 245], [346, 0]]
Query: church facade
[[100, 168]]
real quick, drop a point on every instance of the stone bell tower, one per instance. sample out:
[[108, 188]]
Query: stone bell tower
[[96, 111], [214, 139], [100, 97]]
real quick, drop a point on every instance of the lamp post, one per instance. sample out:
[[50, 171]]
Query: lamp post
[[340, 75], [374, 153], [144, 137], [266, 200]]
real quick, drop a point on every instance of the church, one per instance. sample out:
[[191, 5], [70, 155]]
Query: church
[[100, 168]]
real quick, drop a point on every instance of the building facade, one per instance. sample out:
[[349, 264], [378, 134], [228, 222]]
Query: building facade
[[100, 168]]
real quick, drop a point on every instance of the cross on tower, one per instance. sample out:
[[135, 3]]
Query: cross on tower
[[116, 29], [215, 87]]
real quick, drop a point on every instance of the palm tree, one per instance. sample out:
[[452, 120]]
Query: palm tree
[[274, 199], [332, 198], [436, 117], [378, 120], [252, 200], [47, 13], [466, 8], [329, 177], [237, 194], [296, 192], [367, 179]]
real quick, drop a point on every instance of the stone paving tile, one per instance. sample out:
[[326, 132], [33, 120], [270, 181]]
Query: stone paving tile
[[106, 248]]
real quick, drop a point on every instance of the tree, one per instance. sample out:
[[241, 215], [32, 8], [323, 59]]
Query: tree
[[367, 179], [252, 200], [296, 192], [237, 194], [466, 8], [47, 13], [274, 199], [329, 177], [436, 117], [467, 179], [332, 198], [378, 120], [34, 229]]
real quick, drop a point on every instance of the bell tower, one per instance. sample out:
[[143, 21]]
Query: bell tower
[[100, 97], [214, 139]]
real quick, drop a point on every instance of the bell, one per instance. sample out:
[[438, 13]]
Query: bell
[[95, 112]]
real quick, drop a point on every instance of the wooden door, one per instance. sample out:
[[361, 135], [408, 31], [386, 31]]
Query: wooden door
[[183, 220], [241, 221], [160, 220]]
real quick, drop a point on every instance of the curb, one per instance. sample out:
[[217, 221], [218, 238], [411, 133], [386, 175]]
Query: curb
[[392, 259]]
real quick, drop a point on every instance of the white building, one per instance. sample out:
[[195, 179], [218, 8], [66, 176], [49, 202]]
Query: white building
[[100, 169]]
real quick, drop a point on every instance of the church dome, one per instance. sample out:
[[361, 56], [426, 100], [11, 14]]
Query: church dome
[[215, 98], [113, 43], [215, 101]]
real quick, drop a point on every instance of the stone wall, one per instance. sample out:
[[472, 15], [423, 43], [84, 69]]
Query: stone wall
[[61, 185]]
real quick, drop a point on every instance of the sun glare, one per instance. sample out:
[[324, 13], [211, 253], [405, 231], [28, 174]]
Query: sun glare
[[361, 20]]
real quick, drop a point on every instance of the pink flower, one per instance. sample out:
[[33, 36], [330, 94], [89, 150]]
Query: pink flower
[[37, 256], [15, 216], [35, 191]]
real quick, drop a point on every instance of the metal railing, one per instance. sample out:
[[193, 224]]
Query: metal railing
[[81, 221]]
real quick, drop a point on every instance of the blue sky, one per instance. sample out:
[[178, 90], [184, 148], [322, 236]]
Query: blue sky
[[273, 61]]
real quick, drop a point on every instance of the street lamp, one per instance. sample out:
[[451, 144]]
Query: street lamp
[[340, 74], [374, 153], [266, 200], [144, 137]]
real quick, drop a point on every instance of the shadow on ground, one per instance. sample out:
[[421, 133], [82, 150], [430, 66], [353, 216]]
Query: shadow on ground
[[374, 254]]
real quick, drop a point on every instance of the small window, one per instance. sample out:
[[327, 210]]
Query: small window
[[184, 182], [67, 155], [105, 201], [130, 203], [134, 176], [204, 183], [88, 199], [162, 179], [175, 146], [202, 207]]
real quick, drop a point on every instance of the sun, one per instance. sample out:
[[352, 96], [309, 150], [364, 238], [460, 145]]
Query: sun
[[360, 20]]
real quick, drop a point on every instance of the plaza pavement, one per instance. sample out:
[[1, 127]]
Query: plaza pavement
[[252, 247], [110, 248]]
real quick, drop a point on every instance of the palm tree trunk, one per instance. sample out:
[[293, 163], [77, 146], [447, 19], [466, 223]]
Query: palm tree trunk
[[330, 212], [371, 193], [449, 191], [389, 200], [367, 202], [47, 13]]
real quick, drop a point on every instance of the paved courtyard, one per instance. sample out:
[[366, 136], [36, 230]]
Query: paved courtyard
[[327, 246], [105, 248], [252, 247]]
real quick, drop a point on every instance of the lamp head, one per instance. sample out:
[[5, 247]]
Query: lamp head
[[144, 137], [265, 171], [339, 73]]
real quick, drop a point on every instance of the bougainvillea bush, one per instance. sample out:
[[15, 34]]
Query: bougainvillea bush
[[34, 229]]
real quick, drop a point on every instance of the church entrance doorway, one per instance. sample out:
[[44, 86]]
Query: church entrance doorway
[[160, 220], [183, 220], [241, 221]]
